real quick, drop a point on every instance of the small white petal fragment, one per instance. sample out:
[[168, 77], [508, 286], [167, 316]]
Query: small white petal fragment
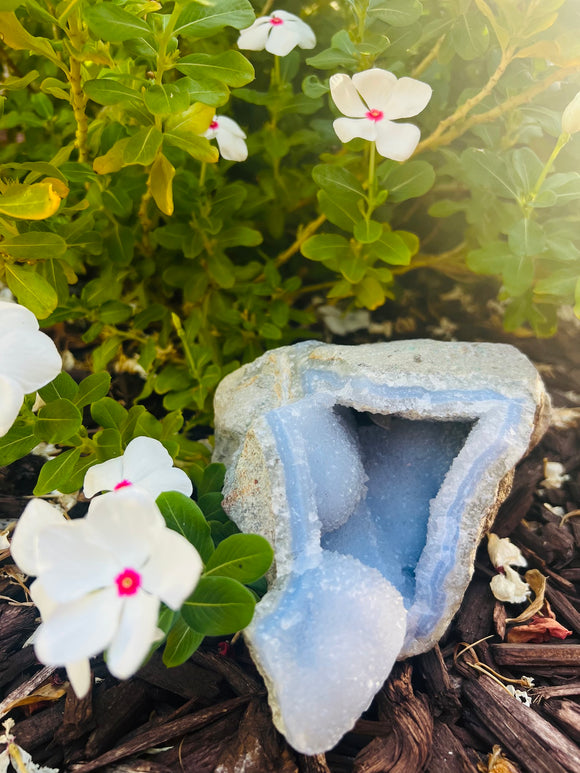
[[554, 475], [502, 552], [372, 100], [510, 587], [145, 464], [279, 33], [28, 360]]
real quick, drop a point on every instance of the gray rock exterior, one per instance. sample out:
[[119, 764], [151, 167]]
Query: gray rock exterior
[[373, 470]]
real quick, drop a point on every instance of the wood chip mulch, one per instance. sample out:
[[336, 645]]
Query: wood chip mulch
[[445, 711]]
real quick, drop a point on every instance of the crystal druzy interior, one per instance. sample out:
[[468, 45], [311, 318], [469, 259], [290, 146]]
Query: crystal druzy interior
[[374, 471], [405, 462]]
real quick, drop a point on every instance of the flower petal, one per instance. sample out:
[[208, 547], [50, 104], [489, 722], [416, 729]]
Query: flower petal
[[30, 358], [375, 86], [12, 316], [407, 98], [283, 39], [135, 634], [37, 516], [72, 564], [79, 675], [143, 456], [41, 600], [11, 399], [510, 587], [103, 477], [254, 38], [305, 34], [397, 140], [173, 570], [348, 128], [173, 479], [229, 126], [126, 523], [346, 97], [80, 629]]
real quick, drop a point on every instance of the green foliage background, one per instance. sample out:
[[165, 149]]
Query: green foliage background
[[117, 217]]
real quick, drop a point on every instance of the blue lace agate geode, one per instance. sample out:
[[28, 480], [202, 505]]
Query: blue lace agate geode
[[373, 470]]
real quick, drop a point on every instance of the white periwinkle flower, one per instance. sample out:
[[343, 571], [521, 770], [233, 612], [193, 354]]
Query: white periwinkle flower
[[278, 33], [520, 695], [145, 464], [15, 754], [230, 138], [28, 360], [101, 580], [373, 100]]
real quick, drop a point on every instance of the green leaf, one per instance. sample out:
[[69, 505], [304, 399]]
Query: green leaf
[[370, 293], [184, 516], [111, 23], [103, 354], [161, 184], [92, 388], [142, 147], [488, 170], [219, 606], [34, 245], [526, 238], [244, 557], [398, 13], [56, 473], [325, 247], [212, 479], [109, 444], [331, 58], [29, 202], [229, 67], [206, 90], [409, 180], [469, 36], [338, 181], [58, 421], [61, 386], [31, 289], [339, 211], [527, 167], [181, 643], [490, 259], [107, 91], [167, 98], [203, 20], [391, 248], [367, 232], [16, 443], [197, 147], [108, 413]]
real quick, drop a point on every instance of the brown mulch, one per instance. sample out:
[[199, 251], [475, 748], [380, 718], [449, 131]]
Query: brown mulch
[[438, 712]]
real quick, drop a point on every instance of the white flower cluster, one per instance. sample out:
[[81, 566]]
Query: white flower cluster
[[507, 585], [100, 580]]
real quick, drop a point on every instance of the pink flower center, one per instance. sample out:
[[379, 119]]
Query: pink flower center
[[128, 582], [213, 125], [375, 115], [123, 484], [276, 20]]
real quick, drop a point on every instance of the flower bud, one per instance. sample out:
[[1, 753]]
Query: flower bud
[[571, 116]]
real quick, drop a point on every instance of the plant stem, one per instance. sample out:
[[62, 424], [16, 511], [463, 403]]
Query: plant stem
[[562, 140], [304, 234], [202, 171], [77, 96], [431, 56], [163, 41], [433, 139], [184, 342], [372, 182], [496, 112]]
